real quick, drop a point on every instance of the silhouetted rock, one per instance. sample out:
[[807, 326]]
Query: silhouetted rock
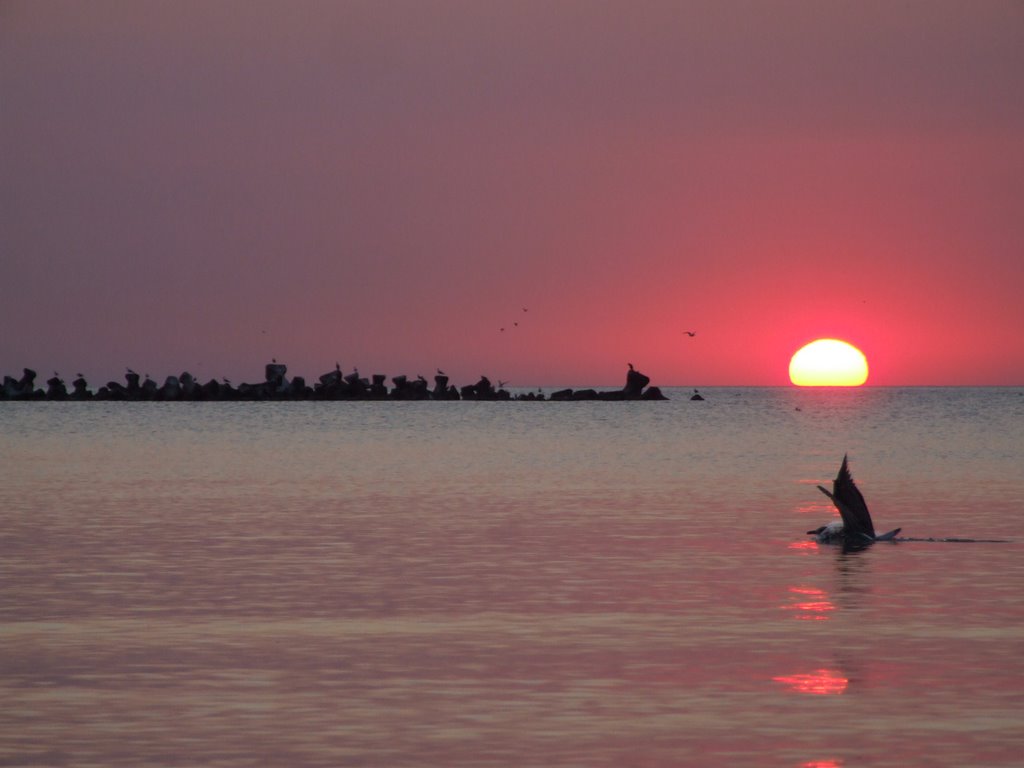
[[23, 388], [653, 393], [274, 374], [55, 389], [211, 390], [81, 389], [330, 386], [188, 385], [440, 387], [171, 390], [133, 389], [635, 383]]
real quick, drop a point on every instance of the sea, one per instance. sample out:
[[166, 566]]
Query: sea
[[509, 584]]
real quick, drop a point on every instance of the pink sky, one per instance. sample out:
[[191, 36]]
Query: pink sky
[[202, 186]]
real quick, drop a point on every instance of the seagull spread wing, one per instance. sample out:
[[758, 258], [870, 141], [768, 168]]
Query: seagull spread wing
[[850, 503]]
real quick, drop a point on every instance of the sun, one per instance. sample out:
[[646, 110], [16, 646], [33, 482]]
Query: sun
[[828, 363]]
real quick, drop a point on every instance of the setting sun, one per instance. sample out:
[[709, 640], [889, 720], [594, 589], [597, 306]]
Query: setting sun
[[828, 363]]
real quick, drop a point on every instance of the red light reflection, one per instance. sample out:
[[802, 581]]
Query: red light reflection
[[821, 682], [811, 604], [804, 547], [822, 764]]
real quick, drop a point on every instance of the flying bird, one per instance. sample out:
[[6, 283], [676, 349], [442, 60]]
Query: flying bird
[[691, 334], [441, 373], [855, 529]]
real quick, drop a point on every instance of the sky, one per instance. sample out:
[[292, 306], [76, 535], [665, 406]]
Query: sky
[[205, 186]]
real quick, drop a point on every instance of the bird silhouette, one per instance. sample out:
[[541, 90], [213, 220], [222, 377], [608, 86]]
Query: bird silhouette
[[691, 334], [855, 529]]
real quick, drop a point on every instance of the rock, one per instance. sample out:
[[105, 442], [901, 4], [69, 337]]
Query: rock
[[635, 383], [653, 393], [81, 389], [55, 389], [377, 389], [274, 374], [171, 390], [440, 387], [188, 385]]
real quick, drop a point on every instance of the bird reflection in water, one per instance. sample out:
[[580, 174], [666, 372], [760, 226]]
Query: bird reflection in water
[[821, 682]]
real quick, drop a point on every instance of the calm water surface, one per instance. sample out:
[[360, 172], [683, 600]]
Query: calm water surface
[[511, 584]]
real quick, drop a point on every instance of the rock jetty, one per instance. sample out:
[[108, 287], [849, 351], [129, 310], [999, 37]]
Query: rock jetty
[[277, 386]]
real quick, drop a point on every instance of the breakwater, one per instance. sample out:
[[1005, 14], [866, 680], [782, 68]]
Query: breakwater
[[278, 386]]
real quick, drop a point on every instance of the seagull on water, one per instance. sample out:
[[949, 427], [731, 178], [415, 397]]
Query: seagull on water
[[855, 529]]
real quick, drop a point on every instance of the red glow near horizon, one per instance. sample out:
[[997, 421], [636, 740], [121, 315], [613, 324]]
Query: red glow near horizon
[[373, 204]]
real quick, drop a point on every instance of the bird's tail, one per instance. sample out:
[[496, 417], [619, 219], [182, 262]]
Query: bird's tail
[[888, 536]]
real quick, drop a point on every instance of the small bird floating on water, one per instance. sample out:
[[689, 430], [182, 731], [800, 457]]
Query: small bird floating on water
[[855, 529]]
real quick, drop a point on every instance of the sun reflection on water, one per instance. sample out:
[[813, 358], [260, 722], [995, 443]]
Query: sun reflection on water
[[804, 547], [821, 682], [809, 604]]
